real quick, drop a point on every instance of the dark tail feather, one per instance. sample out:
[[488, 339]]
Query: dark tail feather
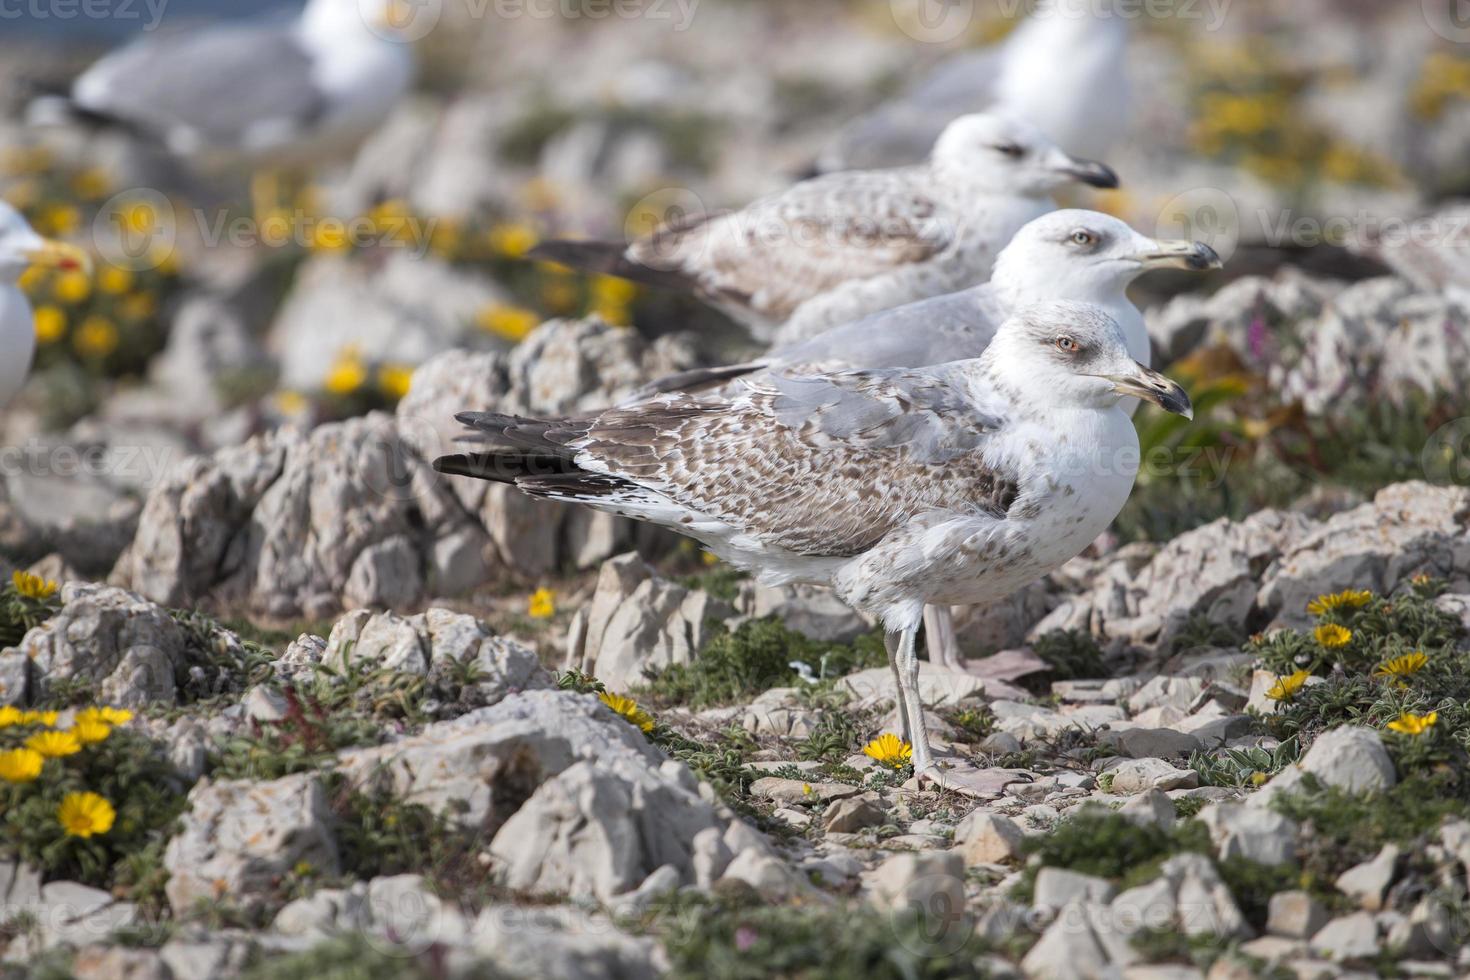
[[505, 465], [609, 259]]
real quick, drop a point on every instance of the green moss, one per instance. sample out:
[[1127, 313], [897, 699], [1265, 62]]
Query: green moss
[[348, 957], [1071, 654], [739, 938], [738, 666]]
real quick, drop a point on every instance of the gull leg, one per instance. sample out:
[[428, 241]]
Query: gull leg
[[908, 680], [940, 639], [894, 645]]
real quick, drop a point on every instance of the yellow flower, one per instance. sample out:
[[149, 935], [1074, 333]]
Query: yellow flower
[[330, 235], [61, 219], [889, 750], [346, 376], [542, 604], [511, 322], [97, 337], [47, 718], [20, 765], [10, 715], [1332, 636], [105, 716], [628, 710], [1286, 687], [50, 324], [114, 281], [85, 814], [1400, 667], [1409, 724], [72, 287], [32, 586], [1347, 599], [55, 745], [290, 403], [91, 732], [91, 183], [512, 240], [137, 306], [394, 381], [613, 291]]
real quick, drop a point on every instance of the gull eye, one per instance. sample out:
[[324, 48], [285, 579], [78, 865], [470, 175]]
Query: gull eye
[[1084, 238], [1013, 150], [1066, 345]]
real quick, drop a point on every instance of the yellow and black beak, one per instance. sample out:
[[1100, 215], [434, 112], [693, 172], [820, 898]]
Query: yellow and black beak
[[1151, 386], [58, 255], [1192, 256]]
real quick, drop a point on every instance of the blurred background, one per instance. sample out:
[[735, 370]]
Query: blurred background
[[231, 299]]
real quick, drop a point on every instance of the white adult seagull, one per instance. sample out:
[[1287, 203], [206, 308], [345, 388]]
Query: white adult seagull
[[956, 483], [21, 248], [266, 92], [1064, 69], [830, 250]]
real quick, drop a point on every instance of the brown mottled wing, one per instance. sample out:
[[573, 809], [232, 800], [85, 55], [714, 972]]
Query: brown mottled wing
[[824, 465], [783, 250]]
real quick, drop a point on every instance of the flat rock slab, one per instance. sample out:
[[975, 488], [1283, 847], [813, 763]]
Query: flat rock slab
[[801, 793]]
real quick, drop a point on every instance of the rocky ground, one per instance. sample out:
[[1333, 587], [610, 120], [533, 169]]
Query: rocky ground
[[278, 701]]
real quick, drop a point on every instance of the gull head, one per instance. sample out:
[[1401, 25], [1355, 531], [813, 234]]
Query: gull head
[[1087, 255], [1073, 355], [21, 248], [1009, 156], [385, 19]]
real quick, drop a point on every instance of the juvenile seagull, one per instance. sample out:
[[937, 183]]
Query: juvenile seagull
[[833, 249], [952, 484], [239, 94], [1064, 70], [21, 248]]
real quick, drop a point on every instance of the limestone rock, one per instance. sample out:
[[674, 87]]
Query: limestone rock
[[239, 837]]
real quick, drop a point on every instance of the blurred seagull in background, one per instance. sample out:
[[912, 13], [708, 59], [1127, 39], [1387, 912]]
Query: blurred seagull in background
[[21, 248], [266, 93], [836, 248], [1063, 69], [956, 483], [1082, 256]]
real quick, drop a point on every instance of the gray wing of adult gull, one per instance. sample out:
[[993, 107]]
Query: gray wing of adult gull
[[952, 327], [234, 86]]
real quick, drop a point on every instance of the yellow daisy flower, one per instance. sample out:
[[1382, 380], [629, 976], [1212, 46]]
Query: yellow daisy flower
[[512, 240], [85, 814], [47, 718], [55, 745], [90, 732], [114, 281], [1411, 724], [1332, 636], [1287, 687], [346, 376], [105, 716], [33, 586], [394, 381], [628, 710], [511, 322], [542, 604], [1347, 599], [72, 288], [10, 715], [889, 750], [50, 325], [1400, 667], [96, 337], [20, 765]]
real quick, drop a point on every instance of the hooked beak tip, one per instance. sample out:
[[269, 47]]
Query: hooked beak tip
[[1151, 386], [1093, 174]]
